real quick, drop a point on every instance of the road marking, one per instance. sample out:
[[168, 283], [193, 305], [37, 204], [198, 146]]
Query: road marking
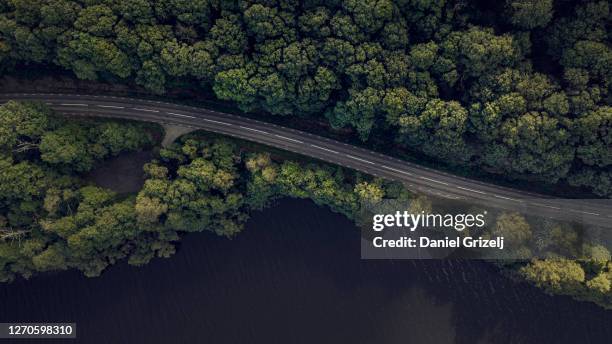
[[471, 190], [508, 198], [356, 158], [213, 121], [288, 139], [546, 206], [396, 170], [349, 156], [179, 115], [433, 180], [147, 110], [255, 130], [111, 106], [583, 212], [325, 149]]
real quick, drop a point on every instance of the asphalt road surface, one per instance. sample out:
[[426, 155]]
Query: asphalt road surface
[[415, 177]]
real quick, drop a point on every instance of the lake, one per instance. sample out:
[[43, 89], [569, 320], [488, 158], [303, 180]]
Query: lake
[[295, 276]]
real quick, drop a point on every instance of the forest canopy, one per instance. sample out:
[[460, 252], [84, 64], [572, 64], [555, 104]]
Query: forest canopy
[[516, 87], [53, 218]]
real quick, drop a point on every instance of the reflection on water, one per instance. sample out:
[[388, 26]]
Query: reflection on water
[[295, 276]]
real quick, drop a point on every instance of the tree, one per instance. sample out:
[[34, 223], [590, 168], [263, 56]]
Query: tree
[[424, 17], [533, 143], [555, 275], [594, 57], [594, 130], [587, 23], [52, 258], [234, 85], [600, 182], [148, 210], [420, 204], [529, 14], [600, 284], [369, 192], [315, 22], [359, 111], [22, 125], [97, 20], [67, 146], [228, 35], [116, 137], [191, 12], [263, 22], [438, 130], [86, 55], [136, 11], [152, 77], [371, 15], [478, 51], [513, 228], [176, 58]]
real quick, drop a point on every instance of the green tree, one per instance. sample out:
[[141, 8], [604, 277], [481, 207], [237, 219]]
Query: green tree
[[22, 125], [513, 228], [529, 14], [97, 20], [359, 111], [555, 275], [594, 130], [438, 130], [234, 85], [533, 143], [369, 192]]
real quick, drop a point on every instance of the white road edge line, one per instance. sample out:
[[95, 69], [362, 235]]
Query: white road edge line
[[179, 115], [111, 106], [433, 180], [396, 170], [325, 149], [583, 212], [471, 190], [213, 121], [146, 110], [288, 138], [508, 198], [356, 158], [255, 130], [546, 206]]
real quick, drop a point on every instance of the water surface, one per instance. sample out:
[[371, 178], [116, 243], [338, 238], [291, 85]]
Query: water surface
[[295, 276]]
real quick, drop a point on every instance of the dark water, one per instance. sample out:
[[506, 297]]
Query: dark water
[[123, 173], [295, 276]]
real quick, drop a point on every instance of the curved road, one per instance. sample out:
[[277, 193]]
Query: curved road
[[416, 178]]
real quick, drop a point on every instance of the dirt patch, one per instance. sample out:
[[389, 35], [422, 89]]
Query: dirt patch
[[122, 174]]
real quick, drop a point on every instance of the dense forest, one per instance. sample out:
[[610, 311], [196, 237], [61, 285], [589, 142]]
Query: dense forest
[[519, 88], [52, 219]]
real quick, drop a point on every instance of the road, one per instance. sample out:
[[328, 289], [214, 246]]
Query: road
[[415, 177]]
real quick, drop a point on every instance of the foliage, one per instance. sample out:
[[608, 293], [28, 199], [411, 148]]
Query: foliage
[[519, 91], [50, 219], [523, 91]]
